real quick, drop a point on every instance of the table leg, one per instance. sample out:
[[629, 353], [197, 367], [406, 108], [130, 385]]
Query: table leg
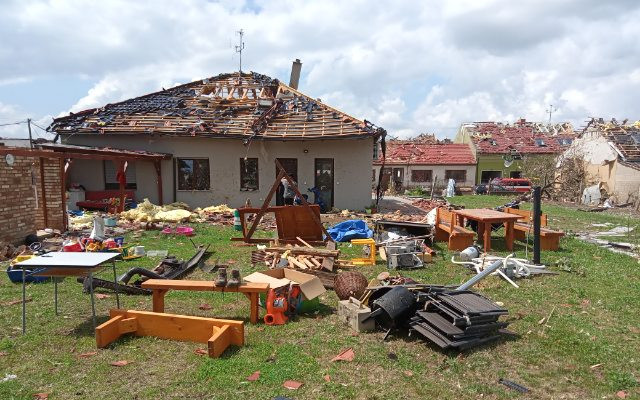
[[55, 293], [508, 227], [487, 237], [24, 304], [93, 301], [115, 283], [158, 300], [254, 308]]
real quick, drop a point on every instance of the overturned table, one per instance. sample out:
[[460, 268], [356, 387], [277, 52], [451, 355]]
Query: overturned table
[[160, 287], [63, 264]]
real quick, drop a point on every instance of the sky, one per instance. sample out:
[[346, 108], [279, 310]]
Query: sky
[[410, 67]]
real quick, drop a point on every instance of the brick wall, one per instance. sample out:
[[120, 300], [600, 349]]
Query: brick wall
[[20, 213]]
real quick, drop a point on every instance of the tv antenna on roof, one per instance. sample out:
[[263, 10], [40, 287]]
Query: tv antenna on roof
[[240, 47], [551, 110]]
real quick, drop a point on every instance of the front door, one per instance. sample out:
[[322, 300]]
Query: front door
[[290, 165], [324, 181]]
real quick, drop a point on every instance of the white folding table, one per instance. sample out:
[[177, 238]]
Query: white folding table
[[63, 264]]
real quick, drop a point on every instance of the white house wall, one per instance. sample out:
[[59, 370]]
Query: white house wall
[[352, 166], [437, 172]]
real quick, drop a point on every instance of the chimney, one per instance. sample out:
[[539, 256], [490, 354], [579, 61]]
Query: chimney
[[295, 74]]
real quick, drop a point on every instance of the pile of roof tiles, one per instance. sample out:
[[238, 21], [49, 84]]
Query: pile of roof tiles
[[457, 319]]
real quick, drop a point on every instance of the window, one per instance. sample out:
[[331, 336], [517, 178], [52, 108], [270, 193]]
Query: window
[[421, 175], [249, 174], [458, 175], [540, 142], [111, 180], [375, 149], [487, 176], [193, 174], [373, 176], [564, 142]]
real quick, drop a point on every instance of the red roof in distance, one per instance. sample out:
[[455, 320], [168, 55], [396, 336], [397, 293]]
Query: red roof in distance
[[406, 152]]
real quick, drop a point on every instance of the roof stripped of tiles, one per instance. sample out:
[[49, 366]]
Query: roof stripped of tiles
[[625, 137], [523, 137], [235, 105], [416, 153]]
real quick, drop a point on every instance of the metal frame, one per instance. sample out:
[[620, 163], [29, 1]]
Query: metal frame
[[42, 269]]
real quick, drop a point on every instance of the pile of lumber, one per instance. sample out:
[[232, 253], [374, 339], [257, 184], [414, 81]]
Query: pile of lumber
[[9, 251], [322, 262]]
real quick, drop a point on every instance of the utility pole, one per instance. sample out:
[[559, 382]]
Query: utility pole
[[551, 110], [240, 47], [30, 137]]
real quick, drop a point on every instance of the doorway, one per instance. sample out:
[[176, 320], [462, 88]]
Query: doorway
[[323, 181], [290, 166]]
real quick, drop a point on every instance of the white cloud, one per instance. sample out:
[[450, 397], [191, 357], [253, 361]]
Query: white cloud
[[408, 66]]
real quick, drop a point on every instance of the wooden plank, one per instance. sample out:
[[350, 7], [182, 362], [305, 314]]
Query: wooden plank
[[127, 325], [297, 263], [202, 286], [108, 332], [303, 242], [220, 340]]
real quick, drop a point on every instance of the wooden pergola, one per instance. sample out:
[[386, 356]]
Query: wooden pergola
[[68, 153]]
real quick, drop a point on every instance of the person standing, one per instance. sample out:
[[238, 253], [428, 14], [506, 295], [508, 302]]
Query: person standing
[[288, 194]]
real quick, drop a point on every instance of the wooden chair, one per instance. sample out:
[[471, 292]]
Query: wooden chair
[[458, 238], [549, 239]]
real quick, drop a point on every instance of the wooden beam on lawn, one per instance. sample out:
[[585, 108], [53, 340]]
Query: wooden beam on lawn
[[218, 334], [266, 202]]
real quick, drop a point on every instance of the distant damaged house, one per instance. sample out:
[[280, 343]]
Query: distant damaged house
[[418, 163], [611, 154], [224, 134], [499, 148]]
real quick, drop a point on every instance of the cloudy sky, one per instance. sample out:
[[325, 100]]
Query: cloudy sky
[[408, 66]]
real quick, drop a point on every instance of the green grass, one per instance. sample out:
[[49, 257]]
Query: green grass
[[595, 321]]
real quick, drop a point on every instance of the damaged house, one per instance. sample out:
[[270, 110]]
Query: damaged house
[[499, 148], [611, 154], [223, 135], [418, 163]]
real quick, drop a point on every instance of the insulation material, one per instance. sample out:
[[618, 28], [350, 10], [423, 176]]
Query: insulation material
[[221, 209], [173, 216], [81, 222], [149, 212]]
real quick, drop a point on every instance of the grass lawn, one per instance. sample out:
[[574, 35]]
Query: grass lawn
[[589, 350]]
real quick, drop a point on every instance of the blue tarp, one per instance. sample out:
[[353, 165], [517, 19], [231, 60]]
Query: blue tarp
[[348, 230]]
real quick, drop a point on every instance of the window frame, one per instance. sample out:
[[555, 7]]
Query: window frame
[[429, 173], [242, 174], [179, 159], [447, 171]]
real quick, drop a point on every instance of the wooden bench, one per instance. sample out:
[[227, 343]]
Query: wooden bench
[[218, 334], [458, 238], [160, 287], [549, 239]]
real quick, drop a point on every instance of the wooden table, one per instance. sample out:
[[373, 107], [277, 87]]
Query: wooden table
[[485, 218], [160, 287]]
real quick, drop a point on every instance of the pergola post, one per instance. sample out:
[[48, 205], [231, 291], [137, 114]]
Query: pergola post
[[158, 165]]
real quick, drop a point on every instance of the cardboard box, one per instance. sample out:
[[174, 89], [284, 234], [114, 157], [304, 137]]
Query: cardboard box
[[310, 285]]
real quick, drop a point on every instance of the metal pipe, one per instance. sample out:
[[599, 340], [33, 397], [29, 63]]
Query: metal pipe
[[486, 272], [536, 224]]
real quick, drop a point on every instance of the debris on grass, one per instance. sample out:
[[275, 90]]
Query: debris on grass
[[392, 356], [513, 385], [204, 306], [327, 378], [102, 296], [408, 373], [41, 396], [120, 363], [89, 354], [8, 377], [345, 355], [3, 353], [254, 377], [201, 352], [621, 394], [14, 302], [292, 385]]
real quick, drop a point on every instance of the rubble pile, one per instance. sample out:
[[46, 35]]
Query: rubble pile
[[428, 205]]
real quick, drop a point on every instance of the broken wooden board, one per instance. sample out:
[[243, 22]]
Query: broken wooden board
[[217, 333]]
